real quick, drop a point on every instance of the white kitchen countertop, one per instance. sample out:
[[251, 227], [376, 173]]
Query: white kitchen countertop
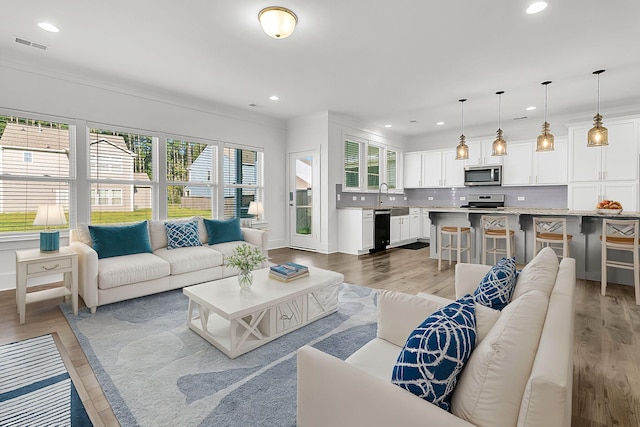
[[511, 211]]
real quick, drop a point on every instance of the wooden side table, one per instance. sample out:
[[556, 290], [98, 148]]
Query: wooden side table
[[32, 263]]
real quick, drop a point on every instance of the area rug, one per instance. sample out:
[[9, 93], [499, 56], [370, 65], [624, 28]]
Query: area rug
[[35, 387], [415, 245], [155, 371]]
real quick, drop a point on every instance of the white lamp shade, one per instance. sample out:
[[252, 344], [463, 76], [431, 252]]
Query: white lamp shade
[[277, 22], [255, 208], [50, 215]]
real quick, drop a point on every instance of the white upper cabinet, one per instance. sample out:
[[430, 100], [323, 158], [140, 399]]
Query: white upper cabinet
[[413, 170], [524, 166], [617, 161], [480, 154], [432, 169], [453, 170], [550, 167], [518, 164]]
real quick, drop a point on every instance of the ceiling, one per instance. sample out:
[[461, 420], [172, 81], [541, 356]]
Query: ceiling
[[380, 61]]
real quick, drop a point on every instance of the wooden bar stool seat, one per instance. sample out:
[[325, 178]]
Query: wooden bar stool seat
[[454, 245], [551, 232], [496, 228], [620, 235]]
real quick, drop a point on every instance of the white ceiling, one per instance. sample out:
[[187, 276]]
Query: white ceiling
[[386, 62]]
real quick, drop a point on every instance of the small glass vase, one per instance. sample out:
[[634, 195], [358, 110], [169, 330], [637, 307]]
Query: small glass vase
[[245, 279]]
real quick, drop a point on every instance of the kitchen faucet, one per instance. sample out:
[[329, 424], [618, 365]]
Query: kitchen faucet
[[380, 193]]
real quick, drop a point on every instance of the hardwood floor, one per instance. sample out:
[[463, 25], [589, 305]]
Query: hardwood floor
[[606, 388]]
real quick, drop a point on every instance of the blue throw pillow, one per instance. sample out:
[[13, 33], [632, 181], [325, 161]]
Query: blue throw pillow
[[182, 234], [223, 230], [436, 351], [496, 288], [115, 240]]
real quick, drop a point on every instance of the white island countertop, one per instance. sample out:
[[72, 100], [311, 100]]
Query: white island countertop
[[510, 211]]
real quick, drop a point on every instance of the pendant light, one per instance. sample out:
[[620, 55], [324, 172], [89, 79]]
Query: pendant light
[[462, 150], [598, 134], [499, 146], [545, 139]]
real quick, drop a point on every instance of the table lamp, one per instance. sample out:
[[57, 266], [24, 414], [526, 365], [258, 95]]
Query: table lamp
[[255, 208], [50, 215]]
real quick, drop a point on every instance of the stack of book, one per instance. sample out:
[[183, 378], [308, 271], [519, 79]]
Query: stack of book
[[288, 271]]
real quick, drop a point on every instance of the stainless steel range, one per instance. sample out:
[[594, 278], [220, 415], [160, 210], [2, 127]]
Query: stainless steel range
[[485, 201]]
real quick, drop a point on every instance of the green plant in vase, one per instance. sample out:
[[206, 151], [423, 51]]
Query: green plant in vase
[[245, 258]]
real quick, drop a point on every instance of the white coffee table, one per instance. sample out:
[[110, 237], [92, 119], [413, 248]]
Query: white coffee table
[[238, 320]]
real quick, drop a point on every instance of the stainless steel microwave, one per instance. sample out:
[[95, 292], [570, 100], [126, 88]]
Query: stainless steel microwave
[[483, 175]]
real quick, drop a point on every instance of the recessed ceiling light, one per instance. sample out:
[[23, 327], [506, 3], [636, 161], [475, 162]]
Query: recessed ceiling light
[[530, 108], [274, 98], [440, 123], [387, 126], [536, 7], [48, 27]]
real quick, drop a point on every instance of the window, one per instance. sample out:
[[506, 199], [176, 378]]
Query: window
[[121, 175], [351, 164], [392, 169], [373, 167], [373, 162], [34, 170], [242, 175], [189, 169]]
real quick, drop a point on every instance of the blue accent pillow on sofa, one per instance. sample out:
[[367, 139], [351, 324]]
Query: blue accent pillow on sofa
[[223, 230], [436, 351], [182, 234], [496, 288], [116, 240]]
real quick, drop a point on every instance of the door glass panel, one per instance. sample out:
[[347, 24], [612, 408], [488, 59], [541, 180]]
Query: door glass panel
[[303, 200]]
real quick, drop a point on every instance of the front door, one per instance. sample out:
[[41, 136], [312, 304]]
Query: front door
[[304, 200]]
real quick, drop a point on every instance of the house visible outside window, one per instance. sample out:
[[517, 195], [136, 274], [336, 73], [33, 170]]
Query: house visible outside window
[[120, 173], [243, 181], [35, 169], [190, 166]]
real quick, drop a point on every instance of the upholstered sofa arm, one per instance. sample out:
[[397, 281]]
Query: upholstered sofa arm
[[468, 277], [87, 273], [334, 393], [256, 237]]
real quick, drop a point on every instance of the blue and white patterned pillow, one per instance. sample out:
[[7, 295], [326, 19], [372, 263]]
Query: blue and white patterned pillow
[[436, 351], [496, 288], [180, 235]]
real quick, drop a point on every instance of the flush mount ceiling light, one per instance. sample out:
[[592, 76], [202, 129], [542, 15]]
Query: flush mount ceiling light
[[545, 139], [277, 22], [536, 7], [48, 27], [598, 134], [499, 146], [462, 150]]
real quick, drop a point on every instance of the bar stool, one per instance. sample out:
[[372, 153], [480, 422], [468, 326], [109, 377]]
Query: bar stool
[[454, 245], [620, 235], [496, 228], [551, 232]]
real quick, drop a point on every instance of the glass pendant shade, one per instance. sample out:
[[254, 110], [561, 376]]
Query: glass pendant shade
[[598, 134], [545, 139], [277, 22], [499, 146], [462, 150]]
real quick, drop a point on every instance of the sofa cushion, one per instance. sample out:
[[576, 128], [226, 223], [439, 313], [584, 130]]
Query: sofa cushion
[[128, 269], [223, 230], [227, 248], [436, 352], [491, 386], [540, 273], [111, 241], [377, 357], [185, 260], [158, 231], [496, 287], [182, 235]]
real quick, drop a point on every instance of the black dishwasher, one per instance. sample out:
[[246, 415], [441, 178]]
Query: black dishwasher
[[381, 229]]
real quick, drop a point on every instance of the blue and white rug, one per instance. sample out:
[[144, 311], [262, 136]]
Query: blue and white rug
[[35, 387], [157, 372]]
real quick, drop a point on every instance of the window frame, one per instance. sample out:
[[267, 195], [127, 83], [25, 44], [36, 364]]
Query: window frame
[[363, 165], [258, 187]]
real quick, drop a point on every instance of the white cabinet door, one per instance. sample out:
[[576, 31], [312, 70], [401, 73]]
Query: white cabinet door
[[518, 164], [432, 169], [487, 158], [480, 154], [620, 157], [584, 196], [475, 153], [551, 166], [584, 161], [367, 229], [415, 229], [404, 228], [624, 192], [453, 170], [426, 224], [413, 170], [395, 237]]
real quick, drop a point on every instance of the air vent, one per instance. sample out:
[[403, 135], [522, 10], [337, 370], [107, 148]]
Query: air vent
[[520, 118], [32, 44]]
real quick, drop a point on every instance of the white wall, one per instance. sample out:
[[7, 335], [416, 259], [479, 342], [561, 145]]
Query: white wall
[[30, 90]]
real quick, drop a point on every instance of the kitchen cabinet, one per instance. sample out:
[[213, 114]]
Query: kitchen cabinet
[[617, 161], [413, 170], [426, 224], [584, 196], [524, 166], [400, 229], [415, 226], [480, 154], [355, 230], [433, 169]]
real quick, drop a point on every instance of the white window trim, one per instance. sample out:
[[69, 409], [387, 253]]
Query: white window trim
[[363, 171]]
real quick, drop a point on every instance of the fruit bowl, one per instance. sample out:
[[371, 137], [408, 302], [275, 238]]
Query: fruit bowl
[[608, 211]]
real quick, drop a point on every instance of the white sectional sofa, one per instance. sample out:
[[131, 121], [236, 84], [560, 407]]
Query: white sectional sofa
[[107, 280], [519, 374]]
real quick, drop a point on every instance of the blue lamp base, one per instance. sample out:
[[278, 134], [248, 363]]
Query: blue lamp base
[[49, 241]]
